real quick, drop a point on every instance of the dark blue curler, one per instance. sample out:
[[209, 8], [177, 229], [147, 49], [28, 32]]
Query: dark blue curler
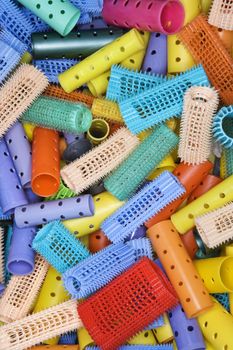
[[223, 298], [68, 338], [12, 41], [9, 58], [52, 68]]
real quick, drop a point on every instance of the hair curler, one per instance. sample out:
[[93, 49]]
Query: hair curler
[[98, 131], [155, 60], [222, 125], [107, 110], [220, 14], [11, 40], [51, 68], [208, 182], [97, 241], [9, 58]]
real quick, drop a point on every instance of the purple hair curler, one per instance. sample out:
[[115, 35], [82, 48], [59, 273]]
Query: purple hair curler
[[11, 192], [140, 232], [70, 138], [61, 209], [155, 60], [77, 145], [2, 288], [21, 258], [20, 151], [32, 197], [186, 330]]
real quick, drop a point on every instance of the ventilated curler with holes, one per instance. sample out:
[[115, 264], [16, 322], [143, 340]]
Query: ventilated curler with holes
[[215, 198], [125, 180], [155, 60], [93, 7], [141, 247], [59, 246], [179, 268], [59, 347], [160, 103], [137, 347], [51, 68], [11, 40], [84, 338], [226, 163], [97, 241], [41, 213], [101, 60], [221, 13], [106, 109], [76, 149], [164, 333], [21, 293], [208, 182], [68, 338], [2, 258], [152, 198], [222, 127], [140, 340], [98, 131], [38, 24], [223, 299], [9, 58], [190, 243], [206, 47]]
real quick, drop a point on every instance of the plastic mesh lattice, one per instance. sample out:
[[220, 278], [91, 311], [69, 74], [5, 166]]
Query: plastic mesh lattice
[[38, 24], [206, 47], [223, 298], [68, 338], [2, 269], [226, 162], [152, 198], [12, 41], [62, 193], [9, 58], [142, 247], [91, 6], [108, 110], [222, 126], [51, 68], [124, 181], [221, 14], [127, 304], [162, 102], [138, 347]]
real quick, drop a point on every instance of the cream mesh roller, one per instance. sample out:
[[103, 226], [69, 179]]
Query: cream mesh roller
[[40, 326], [200, 104], [2, 255], [18, 93], [97, 163], [216, 227], [221, 14], [21, 292]]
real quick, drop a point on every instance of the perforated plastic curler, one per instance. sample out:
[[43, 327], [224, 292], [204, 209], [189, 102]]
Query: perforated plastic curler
[[118, 307], [186, 331], [226, 37], [215, 198], [11, 40], [164, 333], [106, 109], [137, 347], [60, 115], [21, 292], [141, 247], [155, 60], [190, 243], [125, 180], [222, 125], [143, 338], [41, 213], [208, 182], [100, 161], [37, 327], [158, 16], [38, 24], [9, 58], [98, 131], [206, 47], [51, 68], [84, 338], [18, 93], [59, 347], [101, 60], [97, 241], [160, 103], [180, 269], [76, 149], [220, 14], [152, 198], [59, 247]]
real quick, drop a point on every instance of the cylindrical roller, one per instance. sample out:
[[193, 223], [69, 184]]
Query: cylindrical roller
[[61, 15], [2, 288], [45, 162], [97, 241], [216, 197], [155, 60], [76, 149], [21, 258], [222, 126], [107, 109], [101, 60], [208, 182], [155, 16], [164, 333], [68, 338], [11, 192], [41, 213], [227, 39], [98, 131], [62, 193], [221, 13], [166, 164], [186, 331], [9, 58], [55, 347], [31, 196], [192, 293], [97, 188], [84, 338], [205, 5], [70, 138], [190, 176], [190, 243], [142, 338], [140, 232], [78, 44]]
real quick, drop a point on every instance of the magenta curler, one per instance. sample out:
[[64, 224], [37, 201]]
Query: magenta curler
[[164, 16], [62, 209], [155, 60]]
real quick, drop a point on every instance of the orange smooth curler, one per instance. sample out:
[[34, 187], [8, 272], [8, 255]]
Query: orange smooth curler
[[179, 268], [45, 162], [97, 241], [190, 177], [190, 243], [208, 182]]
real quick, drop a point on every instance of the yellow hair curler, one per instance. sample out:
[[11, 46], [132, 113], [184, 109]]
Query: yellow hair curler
[[105, 204], [164, 333], [26, 58], [228, 251], [107, 109], [29, 128], [205, 5], [99, 131], [84, 338], [208, 345], [183, 220], [143, 338], [98, 86], [101, 61], [166, 164]]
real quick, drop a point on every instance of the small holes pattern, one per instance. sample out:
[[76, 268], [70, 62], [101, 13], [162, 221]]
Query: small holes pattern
[[226, 167], [98, 270], [137, 347], [12, 41], [93, 7], [106, 109], [221, 135], [20, 90], [127, 304], [125, 180], [206, 47], [187, 331], [62, 193], [155, 60], [40, 326], [59, 247], [51, 68], [100, 161], [68, 338], [60, 115], [8, 236], [162, 102], [38, 24], [221, 14], [2, 253], [21, 292], [125, 83], [142, 247], [9, 58], [223, 299], [152, 198], [68, 208], [11, 191]]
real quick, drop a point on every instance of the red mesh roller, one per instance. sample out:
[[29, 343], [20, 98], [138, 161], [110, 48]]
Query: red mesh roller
[[127, 304]]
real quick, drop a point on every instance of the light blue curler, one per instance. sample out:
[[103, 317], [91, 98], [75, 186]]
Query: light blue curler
[[223, 126]]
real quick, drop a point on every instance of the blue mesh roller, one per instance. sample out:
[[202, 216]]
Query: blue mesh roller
[[124, 83], [152, 198], [157, 323], [124, 181], [52, 68], [223, 298], [223, 126], [84, 18], [59, 246], [68, 338], [162, 102], [12, 41], [9, 58], [38, 24], [91, 6], [6, 251], [137, 347], [142, 247]]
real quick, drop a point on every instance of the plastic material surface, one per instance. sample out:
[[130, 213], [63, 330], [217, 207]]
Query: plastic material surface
[[155, 60], [222, 126], [9, 58]]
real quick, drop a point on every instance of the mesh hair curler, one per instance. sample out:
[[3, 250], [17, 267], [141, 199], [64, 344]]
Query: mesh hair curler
[[137, 347], [106, 109], [62, 193], [93, 6], [9, 58], [2, 253], [221, 13], [12, 41], [222, 126], [51, 68], [155, 59], [226, 163], [68, 338]]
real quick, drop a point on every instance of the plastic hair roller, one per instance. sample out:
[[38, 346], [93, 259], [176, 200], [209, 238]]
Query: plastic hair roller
[[106, 109], [9, 58], [205, 5], [41, 213], [222, 124], [84, 338], [142, 339], [101, 60], [98, 131], [152, 198], [137, 347], [51, 68], [183, 219], [225, 36], [21, 292], [62, 193], [166, 164], [12, 41], [60, 347], [93, 7], [18, 93], [155, 60], [209, 182], [190, 244], [38, 24], [179, 268], [97, 241], [68, 338], [220, 14], [164, 333], [116, 301], [158, 16], [2, 258], [160, 103], [76, 149], [59, 15]]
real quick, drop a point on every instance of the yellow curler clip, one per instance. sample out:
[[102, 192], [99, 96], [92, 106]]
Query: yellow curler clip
[[164, 333], [84, 338], [143, 338]]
